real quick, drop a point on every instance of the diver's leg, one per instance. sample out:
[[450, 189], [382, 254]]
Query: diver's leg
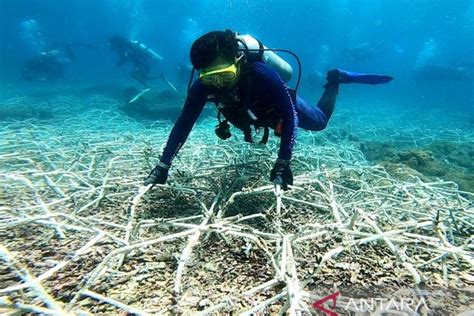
[[138, 75], [310, 117], [315, 118], [334, 77], [327, 101]]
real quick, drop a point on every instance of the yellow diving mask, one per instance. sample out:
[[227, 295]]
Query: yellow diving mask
[[220, 77]]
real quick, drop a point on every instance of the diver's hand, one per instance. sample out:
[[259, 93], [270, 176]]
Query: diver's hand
[[281, 174], [158, 175]]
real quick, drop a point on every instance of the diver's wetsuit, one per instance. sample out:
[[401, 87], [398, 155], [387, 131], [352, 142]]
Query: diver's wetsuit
[[268, 92]]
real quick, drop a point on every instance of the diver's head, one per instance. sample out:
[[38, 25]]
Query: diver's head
[[213, 46], [215, 56]]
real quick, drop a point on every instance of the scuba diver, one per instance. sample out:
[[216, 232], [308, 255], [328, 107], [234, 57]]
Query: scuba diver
[[247, 82], [137, 54], [48, 65]]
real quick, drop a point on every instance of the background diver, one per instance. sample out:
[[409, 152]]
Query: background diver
[[48, 65], [250, 87], [140, 56]]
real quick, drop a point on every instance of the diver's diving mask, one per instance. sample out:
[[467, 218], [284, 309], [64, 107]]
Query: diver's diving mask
[[220, 77]]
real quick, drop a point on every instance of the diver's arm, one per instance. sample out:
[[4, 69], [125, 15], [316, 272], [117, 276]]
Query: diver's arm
[[193, 106], [280, 98]]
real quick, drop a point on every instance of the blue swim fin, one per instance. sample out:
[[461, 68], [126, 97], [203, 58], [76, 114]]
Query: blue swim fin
[[337, 76]]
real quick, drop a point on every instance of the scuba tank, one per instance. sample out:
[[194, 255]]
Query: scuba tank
[[256, 51], [147, 50]]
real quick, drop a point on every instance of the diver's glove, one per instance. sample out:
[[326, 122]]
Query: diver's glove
[[281, 173], [158, 175]]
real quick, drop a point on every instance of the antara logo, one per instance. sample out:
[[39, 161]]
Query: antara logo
[[370, 304], [318, 305]]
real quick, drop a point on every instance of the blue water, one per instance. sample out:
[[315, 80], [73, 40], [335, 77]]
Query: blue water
[[398, 37]]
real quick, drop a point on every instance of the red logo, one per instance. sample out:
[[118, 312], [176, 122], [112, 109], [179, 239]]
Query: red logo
[[318, 305]]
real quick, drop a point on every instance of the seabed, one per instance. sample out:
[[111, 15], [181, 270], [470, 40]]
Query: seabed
[[80, 234]]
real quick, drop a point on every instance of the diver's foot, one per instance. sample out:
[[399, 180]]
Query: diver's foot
[[337, 76]]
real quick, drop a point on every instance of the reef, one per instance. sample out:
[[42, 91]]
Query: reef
[[153, 105], [378, 151], [459, 154], [447, 160], [25, 109], [80, 233], [422, 161]]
